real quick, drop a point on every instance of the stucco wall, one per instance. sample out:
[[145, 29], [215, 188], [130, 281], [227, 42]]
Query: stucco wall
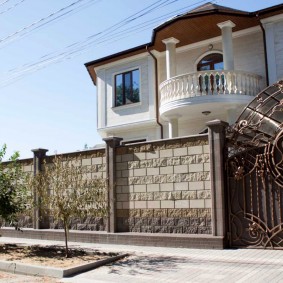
[[131, 113], [248, 56]]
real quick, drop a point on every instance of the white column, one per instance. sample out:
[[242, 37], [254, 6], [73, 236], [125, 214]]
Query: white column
[[227, 44], [170, 56], [270, 52], [173, 128], [232, 116]]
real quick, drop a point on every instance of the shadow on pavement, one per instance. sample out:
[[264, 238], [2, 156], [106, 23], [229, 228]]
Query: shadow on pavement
[[135, 265]]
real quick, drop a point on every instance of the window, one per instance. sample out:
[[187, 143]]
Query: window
[[127, 88], [213, 61]]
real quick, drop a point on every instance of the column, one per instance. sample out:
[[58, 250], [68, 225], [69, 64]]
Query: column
[[270, 53], [232, 116], [170, 56], [111, 144], [173, 127], [39, 220], [216, 131], [227, 44]]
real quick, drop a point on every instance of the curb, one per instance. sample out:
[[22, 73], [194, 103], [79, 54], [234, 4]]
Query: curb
[[27, 269]]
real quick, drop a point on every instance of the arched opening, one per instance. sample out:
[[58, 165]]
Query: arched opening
[[211, 82], [212, 61]]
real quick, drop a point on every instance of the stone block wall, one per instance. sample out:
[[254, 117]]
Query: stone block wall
[[164, 186], [94, 164]]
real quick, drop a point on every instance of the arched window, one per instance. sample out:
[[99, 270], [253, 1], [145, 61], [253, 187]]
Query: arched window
[[213, 61], [211, 83]]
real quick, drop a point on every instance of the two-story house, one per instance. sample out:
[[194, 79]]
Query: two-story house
[[202, 65]]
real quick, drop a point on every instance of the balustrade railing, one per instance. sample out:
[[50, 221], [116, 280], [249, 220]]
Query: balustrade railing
[[209, 83]]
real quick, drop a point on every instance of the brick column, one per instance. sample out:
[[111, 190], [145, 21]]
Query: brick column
[[39, 222], [111, 144], [216, 130]]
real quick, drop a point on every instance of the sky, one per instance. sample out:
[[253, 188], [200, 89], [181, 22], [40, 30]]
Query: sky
[[47, 98]]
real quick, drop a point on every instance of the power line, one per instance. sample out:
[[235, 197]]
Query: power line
[[108, 35], [41, 22], [12, 7], [112, 28], [4, 2]]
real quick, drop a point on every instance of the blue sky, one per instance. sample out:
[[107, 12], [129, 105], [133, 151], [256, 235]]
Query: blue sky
[[54, 107]]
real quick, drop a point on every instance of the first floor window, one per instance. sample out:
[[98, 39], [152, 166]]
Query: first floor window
[[127, 88]]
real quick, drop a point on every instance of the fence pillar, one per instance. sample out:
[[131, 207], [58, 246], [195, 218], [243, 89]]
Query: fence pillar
[[111, 144], [39, 222], [216, 130]]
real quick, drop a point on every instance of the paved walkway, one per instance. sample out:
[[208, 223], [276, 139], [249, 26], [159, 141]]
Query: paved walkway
[[154, 264]]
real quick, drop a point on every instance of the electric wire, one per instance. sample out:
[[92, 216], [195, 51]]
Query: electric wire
[[12, 7], [40, 21], [80, 47], [4, 2]]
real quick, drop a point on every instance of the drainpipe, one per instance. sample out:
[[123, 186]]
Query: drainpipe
[[156, 92], [264, 47]]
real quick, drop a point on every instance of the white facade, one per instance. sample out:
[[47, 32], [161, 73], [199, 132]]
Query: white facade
[[183, 107]]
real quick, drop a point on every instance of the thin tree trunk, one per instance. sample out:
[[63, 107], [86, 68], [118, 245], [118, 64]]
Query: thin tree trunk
[[66, 238]]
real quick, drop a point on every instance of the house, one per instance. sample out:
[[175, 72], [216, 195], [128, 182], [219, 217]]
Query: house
[[202, 65], [215, 189]]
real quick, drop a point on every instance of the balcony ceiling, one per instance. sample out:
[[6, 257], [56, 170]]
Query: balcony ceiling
[[194, 29]]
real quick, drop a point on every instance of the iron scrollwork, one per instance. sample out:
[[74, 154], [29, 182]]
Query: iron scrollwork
[[255, 172]]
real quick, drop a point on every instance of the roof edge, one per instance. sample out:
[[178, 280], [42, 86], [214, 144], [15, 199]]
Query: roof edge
[[120, 53]]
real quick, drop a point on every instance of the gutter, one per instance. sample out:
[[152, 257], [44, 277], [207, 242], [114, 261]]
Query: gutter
[[264, 47], [156, 92]]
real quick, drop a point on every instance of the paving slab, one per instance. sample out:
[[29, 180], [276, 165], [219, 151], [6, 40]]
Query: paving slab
[[159, 264]]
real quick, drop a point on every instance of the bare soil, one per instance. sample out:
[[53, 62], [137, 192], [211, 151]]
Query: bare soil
[[53, 256]]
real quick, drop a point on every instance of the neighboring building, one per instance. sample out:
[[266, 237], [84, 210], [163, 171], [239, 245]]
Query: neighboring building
[[203, 65]]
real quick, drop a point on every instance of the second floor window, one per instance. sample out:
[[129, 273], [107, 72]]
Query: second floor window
[[127, 88], [213, 61]]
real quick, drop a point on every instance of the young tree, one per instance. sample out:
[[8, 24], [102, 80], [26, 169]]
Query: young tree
[[13, 190], [66, 192]]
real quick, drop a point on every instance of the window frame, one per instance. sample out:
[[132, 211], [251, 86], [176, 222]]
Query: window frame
[[204, 55], [130, 71], [211, 63]]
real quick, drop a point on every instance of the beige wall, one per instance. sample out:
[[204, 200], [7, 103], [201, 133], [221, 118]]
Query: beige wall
[[162, 186]]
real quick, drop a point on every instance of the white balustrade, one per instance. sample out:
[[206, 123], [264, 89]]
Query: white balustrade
[[209, 83]]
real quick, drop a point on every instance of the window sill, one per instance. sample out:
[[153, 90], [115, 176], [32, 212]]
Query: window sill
[[126, 106]]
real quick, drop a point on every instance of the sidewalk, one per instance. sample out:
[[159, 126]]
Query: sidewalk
[[177, 265]]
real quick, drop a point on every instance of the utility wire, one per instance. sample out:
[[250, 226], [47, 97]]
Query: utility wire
[[110, 29], [80, 47], [41, 21], [4, 2], [12, 7]]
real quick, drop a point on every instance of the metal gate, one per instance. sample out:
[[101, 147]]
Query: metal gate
[[255, 173]]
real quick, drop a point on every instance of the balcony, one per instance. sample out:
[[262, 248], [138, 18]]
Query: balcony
[[210, 90]]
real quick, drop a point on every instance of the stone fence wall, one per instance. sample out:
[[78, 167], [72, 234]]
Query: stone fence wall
[[94, 162], [165, 186]]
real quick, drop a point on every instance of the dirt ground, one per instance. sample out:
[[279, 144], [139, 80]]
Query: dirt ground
[[53, 256], [17, 278]]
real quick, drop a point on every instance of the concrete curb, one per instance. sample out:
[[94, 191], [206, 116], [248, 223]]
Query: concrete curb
[[27, 269]]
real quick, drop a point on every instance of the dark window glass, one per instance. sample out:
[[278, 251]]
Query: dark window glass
[[119, 90], [212, 61], [127, 88]]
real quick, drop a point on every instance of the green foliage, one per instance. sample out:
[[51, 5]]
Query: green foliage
[[13, 193], [65, 192]]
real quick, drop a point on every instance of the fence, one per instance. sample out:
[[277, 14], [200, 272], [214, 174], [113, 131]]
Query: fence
[[164, 186]]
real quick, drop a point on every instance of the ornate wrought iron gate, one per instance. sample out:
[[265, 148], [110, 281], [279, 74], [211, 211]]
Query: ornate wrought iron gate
[[255, 173]]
